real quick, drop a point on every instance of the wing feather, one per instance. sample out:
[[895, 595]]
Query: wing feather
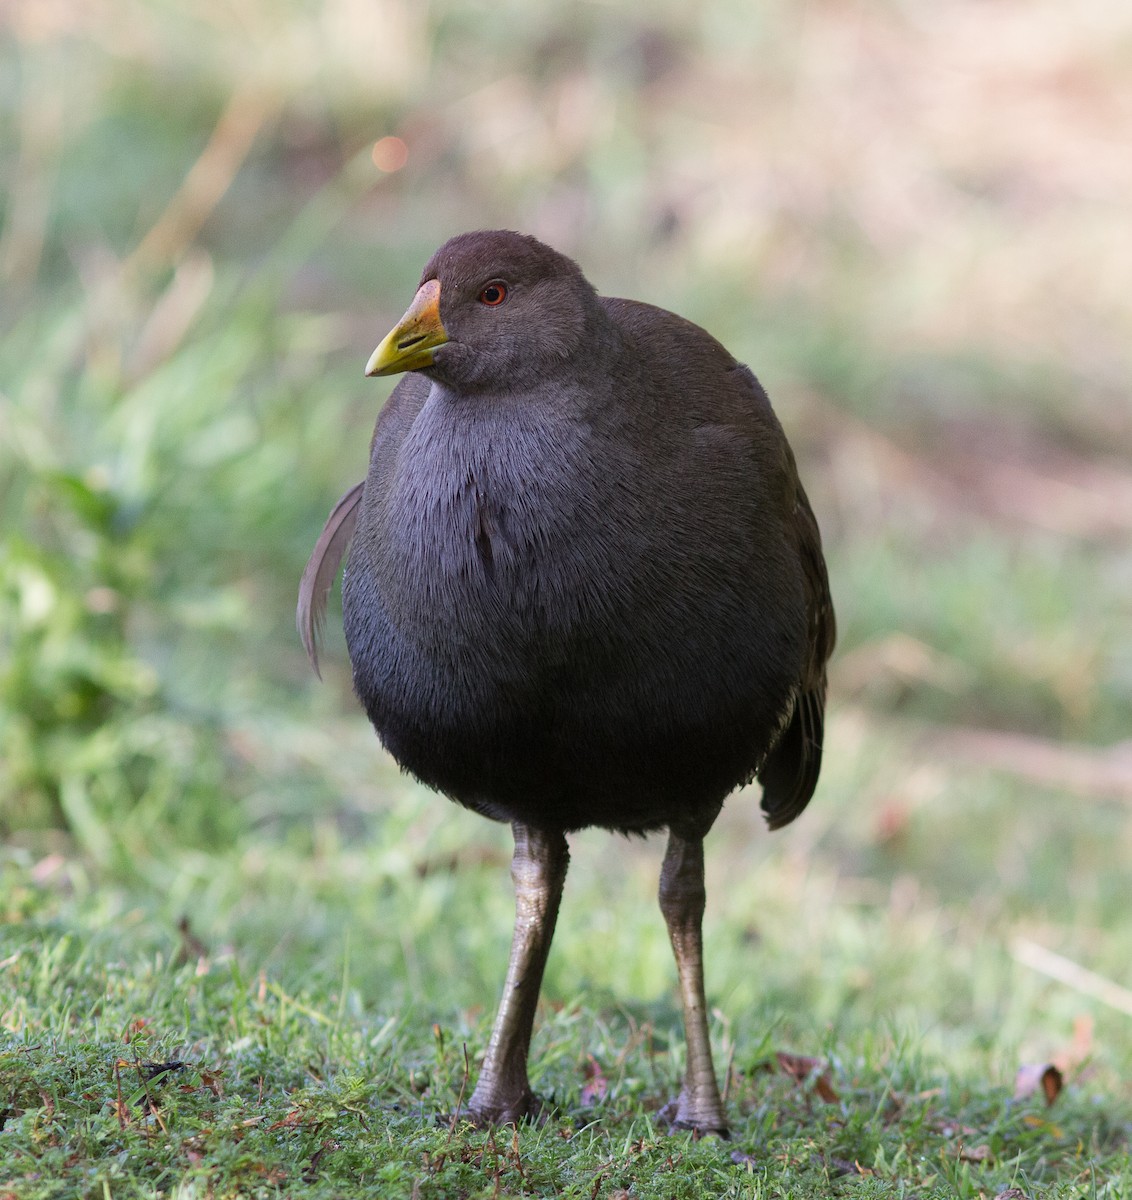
[[322, 567]]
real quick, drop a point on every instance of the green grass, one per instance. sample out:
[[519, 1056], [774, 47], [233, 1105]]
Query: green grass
[[339, 984], [179, 409]]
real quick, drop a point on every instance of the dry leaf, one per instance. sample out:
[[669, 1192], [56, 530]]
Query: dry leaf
[[295, 1117], [595, 1086], [976, 1154], [805, 1069], [842, 1166], [1040, 1123], [213, 1081], [1035, 1077], [191, 949]]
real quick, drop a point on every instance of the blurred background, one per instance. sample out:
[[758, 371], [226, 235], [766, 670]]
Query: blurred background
[[911, 219]]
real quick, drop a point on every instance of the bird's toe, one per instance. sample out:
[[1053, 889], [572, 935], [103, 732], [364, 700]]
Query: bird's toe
[[528, 1107], [701, 1119]]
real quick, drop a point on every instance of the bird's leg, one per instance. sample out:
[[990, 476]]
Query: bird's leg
[[682, 898], [503, 1094]]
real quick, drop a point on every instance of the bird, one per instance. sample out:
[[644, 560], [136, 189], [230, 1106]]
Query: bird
[[584, 587]]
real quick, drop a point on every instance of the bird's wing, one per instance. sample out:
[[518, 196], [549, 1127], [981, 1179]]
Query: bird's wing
[[790, 772], [322, 567]]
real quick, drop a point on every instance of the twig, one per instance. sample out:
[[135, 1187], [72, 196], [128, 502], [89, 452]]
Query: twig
[[460, 1097], [1104, 772], [727, 1073], [121, 1103], [208, 179], [1073, 975]]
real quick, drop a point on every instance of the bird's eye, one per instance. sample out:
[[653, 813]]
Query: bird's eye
[[493, 295]]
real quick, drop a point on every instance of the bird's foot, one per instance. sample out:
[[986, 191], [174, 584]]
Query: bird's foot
[[703, 1116], [485, 1114]]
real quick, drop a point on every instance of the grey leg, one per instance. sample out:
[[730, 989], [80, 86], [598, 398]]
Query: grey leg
[[503, 1093], [682, 898]]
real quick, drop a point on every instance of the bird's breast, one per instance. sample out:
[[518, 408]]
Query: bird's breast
[[464, 547]]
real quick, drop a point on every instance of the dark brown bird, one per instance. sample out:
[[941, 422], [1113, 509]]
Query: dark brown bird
[[585, 587]]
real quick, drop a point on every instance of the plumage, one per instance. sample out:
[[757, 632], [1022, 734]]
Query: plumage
[[585, 587], [321, 569]]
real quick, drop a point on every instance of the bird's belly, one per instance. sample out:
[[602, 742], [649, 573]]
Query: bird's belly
[[598, 726]]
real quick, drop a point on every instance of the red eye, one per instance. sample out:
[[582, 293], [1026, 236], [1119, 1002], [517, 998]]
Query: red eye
[[493, 295]]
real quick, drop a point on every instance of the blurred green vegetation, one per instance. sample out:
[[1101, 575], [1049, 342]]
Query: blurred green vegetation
[[923, 252]]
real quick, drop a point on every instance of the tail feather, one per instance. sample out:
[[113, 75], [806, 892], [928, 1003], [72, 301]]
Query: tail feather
[[789, 774]]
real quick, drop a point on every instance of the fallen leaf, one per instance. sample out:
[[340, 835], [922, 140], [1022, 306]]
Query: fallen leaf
[[191, 949], [1040, 1123], [976, 1154], [742, 1159], [950, 1128], [295, 1117], [276, 1176], [311, 1173], [842, 1166], [805, 1069], [1012, 1194], [595, 1087], [1035, 1077]]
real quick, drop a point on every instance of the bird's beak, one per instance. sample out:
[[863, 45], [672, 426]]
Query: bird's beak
[[411, 343]]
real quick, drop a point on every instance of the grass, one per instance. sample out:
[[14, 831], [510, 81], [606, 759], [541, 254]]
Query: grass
[[312, 1065], [323, 999], [206, 859]]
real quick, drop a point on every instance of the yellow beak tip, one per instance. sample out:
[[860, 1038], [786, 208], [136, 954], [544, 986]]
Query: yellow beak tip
[[410, 345]]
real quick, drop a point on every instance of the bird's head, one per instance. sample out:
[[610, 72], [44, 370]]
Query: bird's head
[[495, 311]]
